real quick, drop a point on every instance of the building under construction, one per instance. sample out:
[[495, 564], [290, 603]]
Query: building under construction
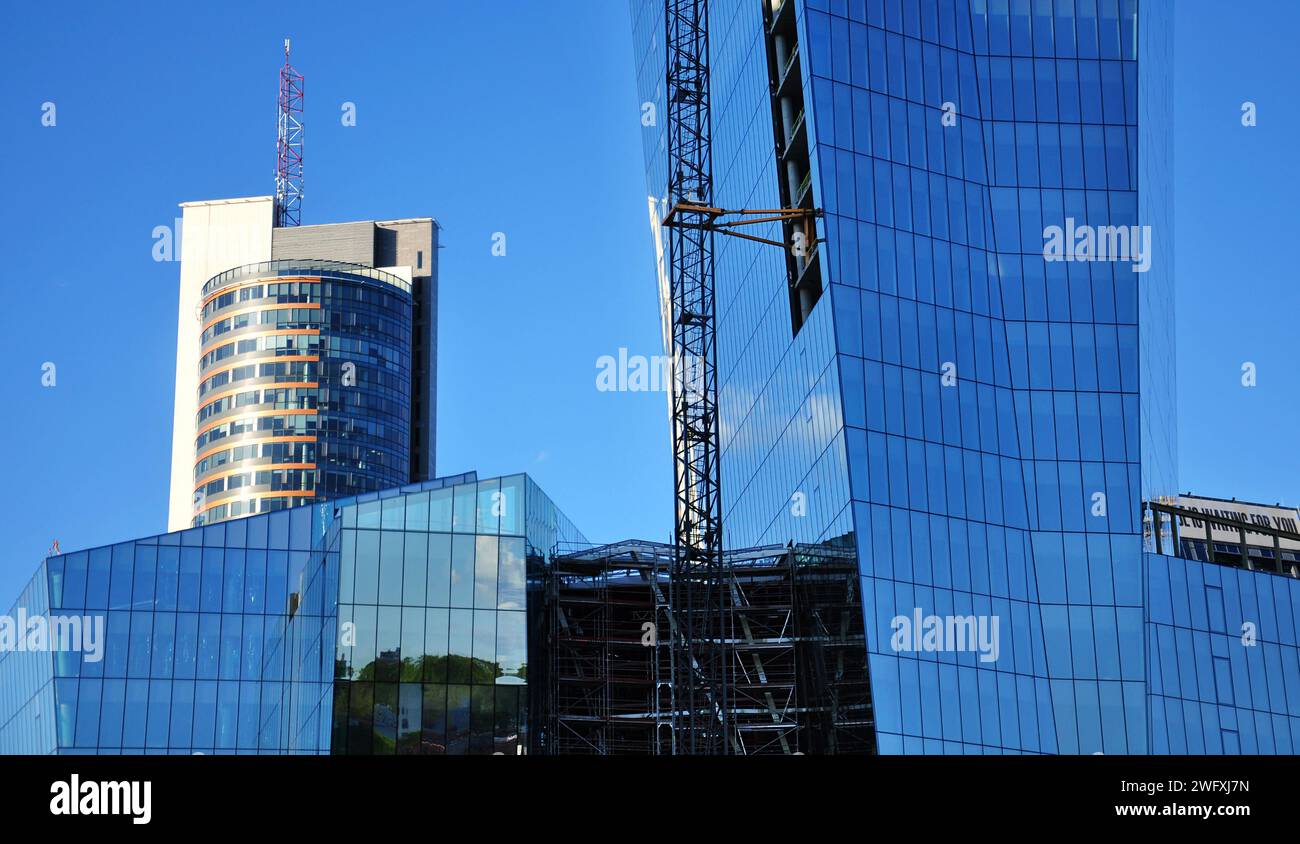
[[614, 635]]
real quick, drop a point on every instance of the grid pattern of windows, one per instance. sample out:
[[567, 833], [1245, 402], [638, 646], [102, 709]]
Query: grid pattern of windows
[[194, 626], [1224, 664], [433, 588], [990, 395], [340, 343], [26, 684], [782, 431], [390, 622], [989, 419]]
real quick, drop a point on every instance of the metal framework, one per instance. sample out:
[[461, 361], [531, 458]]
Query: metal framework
[[288, 146], [603, 652], [701, 658], [1264, 559], [701, 666], [799, 653]]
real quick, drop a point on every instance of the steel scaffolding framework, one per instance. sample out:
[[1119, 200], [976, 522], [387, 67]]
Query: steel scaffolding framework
[[288, 146], [798, 653]]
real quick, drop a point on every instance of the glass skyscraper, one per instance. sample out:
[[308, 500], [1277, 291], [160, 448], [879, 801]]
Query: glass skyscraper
[[394, 622], [969, 376], [304, 386], [306, 360]]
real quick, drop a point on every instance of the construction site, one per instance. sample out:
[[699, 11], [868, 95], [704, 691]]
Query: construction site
[[617, 648], [694, 648]]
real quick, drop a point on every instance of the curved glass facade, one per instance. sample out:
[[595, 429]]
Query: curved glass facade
[[304, 386]]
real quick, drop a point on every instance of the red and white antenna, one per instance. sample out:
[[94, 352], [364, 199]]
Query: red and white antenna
[[288, 147]]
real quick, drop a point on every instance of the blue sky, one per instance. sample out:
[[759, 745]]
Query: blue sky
[[514, 117]]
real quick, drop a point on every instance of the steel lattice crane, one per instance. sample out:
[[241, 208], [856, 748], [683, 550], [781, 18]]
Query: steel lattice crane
[[700, 664], [702, 669]]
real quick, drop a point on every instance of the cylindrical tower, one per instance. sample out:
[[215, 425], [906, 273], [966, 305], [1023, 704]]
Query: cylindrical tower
[[304, 386]]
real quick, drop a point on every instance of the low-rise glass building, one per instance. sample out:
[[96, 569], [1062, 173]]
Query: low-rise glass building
[[392, 622]]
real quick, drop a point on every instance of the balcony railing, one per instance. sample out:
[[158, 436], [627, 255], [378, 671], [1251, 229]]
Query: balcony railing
[[1160, 511]]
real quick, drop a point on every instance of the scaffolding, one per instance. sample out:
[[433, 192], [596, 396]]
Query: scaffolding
[[602, 648], [798, 654]]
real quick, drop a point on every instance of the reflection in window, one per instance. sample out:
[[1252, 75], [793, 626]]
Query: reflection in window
[[160, 710], [485, 668], [409, 712], [88, 713], [137, 699], [343, 642], [482, 711], [512, 648], [485, 572], [440, 509], [366, 584], [438, 578], [97, 579], [112, 708], [394, 513], [412, 667], [489, 506], [462, 571], [512, 505], [385, 719], [463, 508], [210, 595], [513, 579], [363, 647], [458, 720], [361, 704], [435, 645], [414, 568], [434, 719], [169, 563], [417, 511], [460, 643], [388, 644], [142, 588], [227, 714], [506, 738], [390, 567], [209, 645], [205, 714]]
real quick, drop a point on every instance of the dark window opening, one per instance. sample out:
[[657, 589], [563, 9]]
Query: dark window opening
[[794, 171]]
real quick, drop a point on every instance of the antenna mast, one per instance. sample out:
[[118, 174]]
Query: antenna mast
[[288, 147]]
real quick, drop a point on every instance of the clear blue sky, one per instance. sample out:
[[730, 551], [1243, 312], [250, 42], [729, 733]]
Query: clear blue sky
[[510, 116]]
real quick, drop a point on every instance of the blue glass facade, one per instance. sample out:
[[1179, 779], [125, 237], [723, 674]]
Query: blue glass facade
[[983, 421], [393, 622], [305, 386], [1223, 666]]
